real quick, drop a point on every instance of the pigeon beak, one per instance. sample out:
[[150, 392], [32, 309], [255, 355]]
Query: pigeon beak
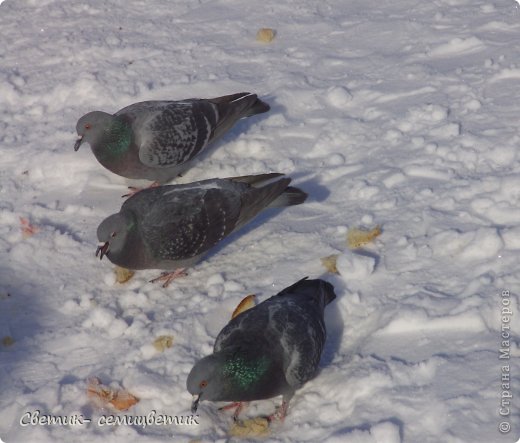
[[102, 250], [195, 403], [78, 142]]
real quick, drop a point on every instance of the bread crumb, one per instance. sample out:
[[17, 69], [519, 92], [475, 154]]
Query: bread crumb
[[163, 342], [329, 263], [265, 35], [247, 303], [123, 274], [253, 427], [356, 238]]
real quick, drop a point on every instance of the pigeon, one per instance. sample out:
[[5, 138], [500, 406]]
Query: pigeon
[[271, 349], [156, 140], [171, 227]]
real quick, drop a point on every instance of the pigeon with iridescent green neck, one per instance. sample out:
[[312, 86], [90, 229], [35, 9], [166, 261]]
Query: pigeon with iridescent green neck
[[269, 350], [156, 140]]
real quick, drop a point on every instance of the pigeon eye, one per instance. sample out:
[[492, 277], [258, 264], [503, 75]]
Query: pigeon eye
[[87, 126], [203, 384], [113, 234]]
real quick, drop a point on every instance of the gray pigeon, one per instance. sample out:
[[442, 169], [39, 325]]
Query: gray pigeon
[[269, 350], [172, 227], [155, 140]]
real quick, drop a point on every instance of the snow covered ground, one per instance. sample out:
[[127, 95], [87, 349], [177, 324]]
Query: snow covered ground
[[401, 113]]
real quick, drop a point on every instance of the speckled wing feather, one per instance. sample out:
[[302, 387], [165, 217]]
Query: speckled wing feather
[[189, 222], [172, 133], [302, 338], [250, 323], [293, 324]]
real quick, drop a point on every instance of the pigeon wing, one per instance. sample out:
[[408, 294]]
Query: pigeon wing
[[187, 223], [302, 338], [250, 323], [294, 331], [176, 132]]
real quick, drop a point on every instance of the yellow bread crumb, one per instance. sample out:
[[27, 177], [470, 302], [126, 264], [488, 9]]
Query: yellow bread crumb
[[356, 238], [252, 427], [329, 263], [123, 274], [247, 303], [163, 342], [103, 396], [265, 35]]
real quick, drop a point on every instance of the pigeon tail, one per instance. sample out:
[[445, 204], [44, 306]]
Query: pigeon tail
[[258, 179], [328, 289], [258, 107], [323, 286], [248, 102], [290, 197], [232, 108], [225, 99], [260, 196]]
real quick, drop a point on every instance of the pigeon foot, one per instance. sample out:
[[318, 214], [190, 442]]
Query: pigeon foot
[[168, 277], [280, 413], [238, 405], [134, 190]]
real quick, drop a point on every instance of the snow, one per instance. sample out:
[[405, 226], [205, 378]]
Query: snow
[[402, 114], [355, 266]]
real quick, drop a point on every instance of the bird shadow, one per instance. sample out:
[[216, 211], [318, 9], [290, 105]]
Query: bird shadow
[[22, 307], [62, 228], [276, 108], [334, 322], [259, 220], [366, 427], [369, 254]]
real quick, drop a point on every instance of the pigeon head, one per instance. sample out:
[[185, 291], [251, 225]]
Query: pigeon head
[[206, 380], [91, 127], [113, 233], [227, 375]]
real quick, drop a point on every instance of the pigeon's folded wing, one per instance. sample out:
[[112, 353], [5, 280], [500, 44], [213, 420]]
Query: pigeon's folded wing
[[176, 133], [186, 224]]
